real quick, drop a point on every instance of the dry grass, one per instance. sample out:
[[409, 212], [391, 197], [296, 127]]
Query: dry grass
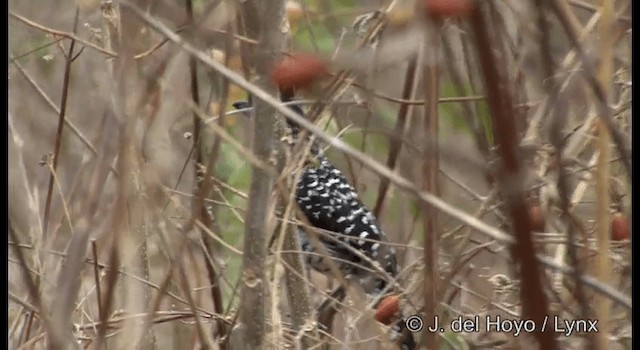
[[135, 215]]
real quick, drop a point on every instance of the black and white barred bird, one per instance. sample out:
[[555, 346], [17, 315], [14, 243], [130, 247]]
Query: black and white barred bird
[[355, 240]]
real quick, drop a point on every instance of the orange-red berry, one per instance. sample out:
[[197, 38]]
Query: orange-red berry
[[536, 217], [620, 230], [387, 309], [298, 71], [440, 9]]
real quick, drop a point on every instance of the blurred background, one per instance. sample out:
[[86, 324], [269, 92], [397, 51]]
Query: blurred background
[[111, 244]]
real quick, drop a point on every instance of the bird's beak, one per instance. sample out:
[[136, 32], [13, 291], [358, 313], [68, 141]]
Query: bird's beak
[[243, 105], [240, 105]]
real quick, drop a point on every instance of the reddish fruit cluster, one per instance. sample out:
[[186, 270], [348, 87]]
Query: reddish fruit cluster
[[536, 218], [620, 229], [387, 309], [440, 9], [298, 71]]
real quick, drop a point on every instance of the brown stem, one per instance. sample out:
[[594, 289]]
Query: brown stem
[[605, 113], [61, 117], [430, 171], [262, 20], [202, 182], [396, 141], [367, 161], [532, 295]]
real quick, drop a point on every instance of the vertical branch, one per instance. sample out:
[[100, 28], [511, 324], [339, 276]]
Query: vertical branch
[[201, 187], [459, 81], [297, 288], [68, 282], [110, 30], [263, 21], [297, 285], [605, 113], [534, 301], [198, 197], [96, 277], [559, 112], [55, 339], [430, 181], [602, 265], [61, 116], [398, 133], [131, 223]]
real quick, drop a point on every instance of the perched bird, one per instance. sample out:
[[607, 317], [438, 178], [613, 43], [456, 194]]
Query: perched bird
[[356, 243]]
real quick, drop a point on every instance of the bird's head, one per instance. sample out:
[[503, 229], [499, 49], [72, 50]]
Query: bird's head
[[241, 105], [246, 105]]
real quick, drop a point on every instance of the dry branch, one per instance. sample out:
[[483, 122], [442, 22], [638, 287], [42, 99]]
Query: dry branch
[[533, 297], [262, 20], [371, 164]]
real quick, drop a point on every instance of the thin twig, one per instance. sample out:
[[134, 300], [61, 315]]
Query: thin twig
[[55, 108], [72, 36], [602, 269], [410, 82], [61, 117], [605, 112], [430, 167], [34, 294], [369, 162], [96, 276], [532, 294]]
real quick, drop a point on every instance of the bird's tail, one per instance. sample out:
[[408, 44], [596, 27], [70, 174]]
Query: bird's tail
[[402, 336], [388, 312]]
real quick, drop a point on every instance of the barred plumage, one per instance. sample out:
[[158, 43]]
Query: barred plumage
[[330, 203]]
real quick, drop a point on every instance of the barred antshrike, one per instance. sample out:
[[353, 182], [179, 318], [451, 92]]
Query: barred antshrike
[[330, 203]]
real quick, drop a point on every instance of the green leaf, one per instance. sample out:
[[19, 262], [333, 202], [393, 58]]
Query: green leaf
[[453, 341]]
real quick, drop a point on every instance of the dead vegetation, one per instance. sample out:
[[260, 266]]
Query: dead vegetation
[[492, 140]]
